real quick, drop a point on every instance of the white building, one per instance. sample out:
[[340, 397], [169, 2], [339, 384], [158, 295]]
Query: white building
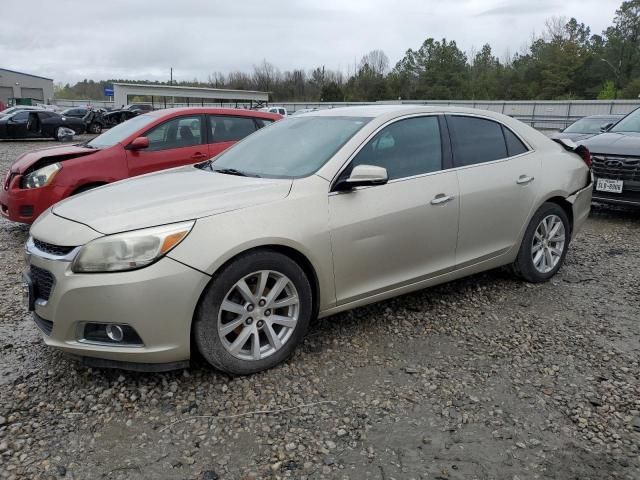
[[23, 85]]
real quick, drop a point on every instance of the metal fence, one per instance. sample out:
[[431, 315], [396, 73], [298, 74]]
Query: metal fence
[[543, 114]]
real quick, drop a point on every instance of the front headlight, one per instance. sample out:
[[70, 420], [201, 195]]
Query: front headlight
[[129, 250], [41, 177]]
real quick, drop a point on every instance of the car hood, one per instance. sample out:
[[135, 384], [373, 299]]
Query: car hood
[[614, 144], [573, 136], [47, 156], [168, 196]]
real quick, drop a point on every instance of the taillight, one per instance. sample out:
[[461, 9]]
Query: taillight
[[585, 154]]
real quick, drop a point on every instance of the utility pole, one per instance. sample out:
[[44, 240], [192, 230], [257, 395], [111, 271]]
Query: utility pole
[[171, 77]]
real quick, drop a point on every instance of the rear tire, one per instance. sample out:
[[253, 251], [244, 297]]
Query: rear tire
[[55, 133], [267, 309], [544, 245]]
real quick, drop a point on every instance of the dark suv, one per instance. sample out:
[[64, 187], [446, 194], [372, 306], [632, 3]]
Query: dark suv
[[616, 162]]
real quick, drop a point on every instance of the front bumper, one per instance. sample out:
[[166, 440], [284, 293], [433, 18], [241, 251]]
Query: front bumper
[[158, 302], [617, 198], [24, 205]]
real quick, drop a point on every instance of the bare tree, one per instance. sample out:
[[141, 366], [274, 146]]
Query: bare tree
[[265, 76], [217, 80], [555, 29], [239, 81], [377, 61]]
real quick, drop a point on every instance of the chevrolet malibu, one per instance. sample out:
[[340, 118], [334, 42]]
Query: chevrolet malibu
[[154, 141], [313, 215]]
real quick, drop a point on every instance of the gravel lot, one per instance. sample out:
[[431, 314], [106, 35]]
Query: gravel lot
[[486, 377]]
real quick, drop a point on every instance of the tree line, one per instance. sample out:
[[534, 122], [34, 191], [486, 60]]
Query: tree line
[[567, 61]]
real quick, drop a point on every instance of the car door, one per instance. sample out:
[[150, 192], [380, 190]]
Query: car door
[[390, 235], [17, 125], [48, 122], [178, 141], [225, 130], [497, 173]]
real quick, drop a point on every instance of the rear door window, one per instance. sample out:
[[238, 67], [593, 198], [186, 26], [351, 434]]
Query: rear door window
[[476, 140], [229, 129]]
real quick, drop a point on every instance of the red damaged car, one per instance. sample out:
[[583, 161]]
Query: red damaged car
[[146, 143]]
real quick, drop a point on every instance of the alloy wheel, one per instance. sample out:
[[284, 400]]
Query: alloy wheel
[[548, 243], [258, 315]]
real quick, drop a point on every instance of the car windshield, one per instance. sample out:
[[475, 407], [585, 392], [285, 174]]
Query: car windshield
[[587, 125], [291, 148], [630, 123], [121, 131]]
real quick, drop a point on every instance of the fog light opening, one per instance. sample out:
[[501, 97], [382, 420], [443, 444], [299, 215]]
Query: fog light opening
[[115, 333], [110, 333]]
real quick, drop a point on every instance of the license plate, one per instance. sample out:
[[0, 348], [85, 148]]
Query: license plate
[[609, 185]]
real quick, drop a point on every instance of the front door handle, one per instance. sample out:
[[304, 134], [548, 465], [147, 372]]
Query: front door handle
[[199, 156], [524, 180], [441, 198]]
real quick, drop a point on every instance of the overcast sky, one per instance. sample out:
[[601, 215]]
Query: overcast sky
[[69, 40]]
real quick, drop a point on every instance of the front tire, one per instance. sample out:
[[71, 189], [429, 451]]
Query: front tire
[[544, 245], [254, 313]]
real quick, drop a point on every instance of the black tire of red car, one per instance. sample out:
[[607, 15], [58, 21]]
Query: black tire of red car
[[523, 266], [205, 326]]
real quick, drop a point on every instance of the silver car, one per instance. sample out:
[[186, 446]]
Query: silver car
[[311, 216]]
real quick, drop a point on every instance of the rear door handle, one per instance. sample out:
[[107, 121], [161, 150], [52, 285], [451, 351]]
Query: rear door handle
[[524, 180], [441, 198], [199, 156]]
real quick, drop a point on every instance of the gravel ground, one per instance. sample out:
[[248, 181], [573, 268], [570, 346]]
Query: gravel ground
[[486, 377]]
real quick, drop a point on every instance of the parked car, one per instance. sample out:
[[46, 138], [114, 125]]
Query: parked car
[[92, 117], [616, 162], [588, 127], [115, 117], [37, 124], [305, 110], [311, 216], [149, 142], [140, 107], [17, 108], [279, 110]]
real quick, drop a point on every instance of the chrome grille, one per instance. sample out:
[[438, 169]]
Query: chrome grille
[[51, 249], [616, 167]]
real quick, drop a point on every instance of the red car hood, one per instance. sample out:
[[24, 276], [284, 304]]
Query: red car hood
[[49, 155]]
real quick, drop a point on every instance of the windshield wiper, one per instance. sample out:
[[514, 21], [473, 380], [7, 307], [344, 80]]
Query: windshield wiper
[[232, 171]]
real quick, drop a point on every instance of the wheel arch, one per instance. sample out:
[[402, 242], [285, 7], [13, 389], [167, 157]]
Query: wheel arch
[[291, 252], [563, 203], [88, 186]]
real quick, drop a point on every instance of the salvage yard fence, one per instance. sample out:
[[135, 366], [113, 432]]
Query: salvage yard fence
[[540, 114]]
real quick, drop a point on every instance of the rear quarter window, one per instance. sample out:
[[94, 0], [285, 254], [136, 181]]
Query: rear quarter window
[[514, 144]]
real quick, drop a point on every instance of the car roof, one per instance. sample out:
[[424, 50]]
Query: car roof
[[612, 115], [391, 110], [238, 112]]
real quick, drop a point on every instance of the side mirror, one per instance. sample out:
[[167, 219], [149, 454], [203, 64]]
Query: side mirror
[[606, 126], [139, 144], [363, 176]]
